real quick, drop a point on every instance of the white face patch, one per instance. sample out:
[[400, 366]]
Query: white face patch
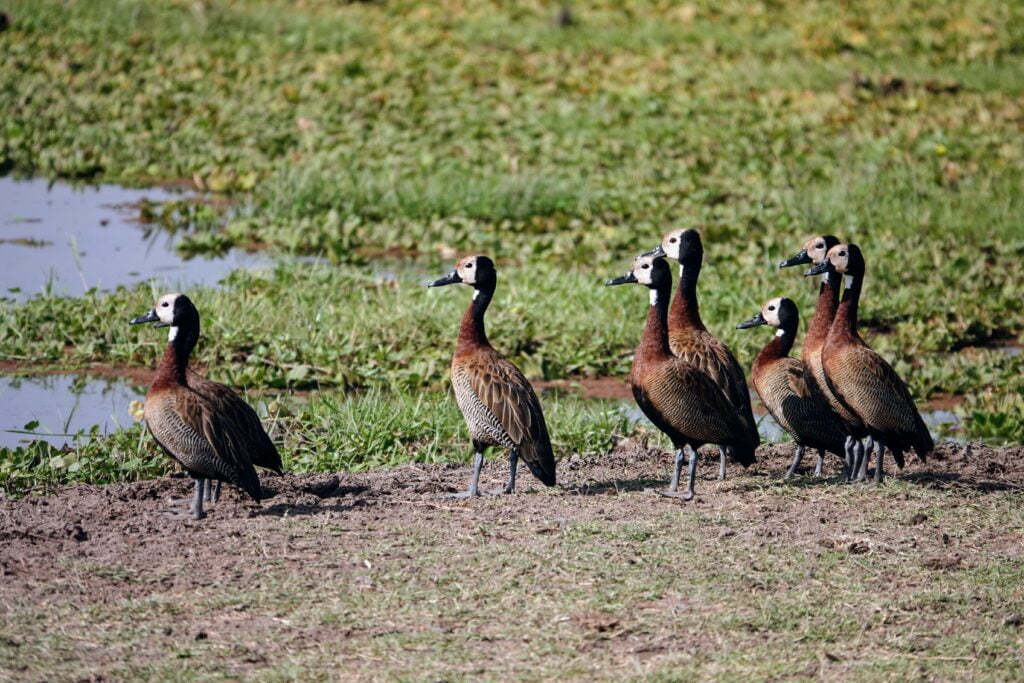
[[172, 333], [475, 293], [165, 308], [467, 272], [824, 277], [672, 247], [770, 312], [643, 270], [849, 280], [780, 332], [653, 294]]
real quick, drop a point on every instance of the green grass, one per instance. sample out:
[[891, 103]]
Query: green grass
[[363, 133], [325, 432], [356, 130]]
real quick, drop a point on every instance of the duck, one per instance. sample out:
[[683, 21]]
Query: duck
[[783, 385], [202, 425], [861, 379], [676, 395], [498, 403], [690, 339], [262, 449], [814, 252]]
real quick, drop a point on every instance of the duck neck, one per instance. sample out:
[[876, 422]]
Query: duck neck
[[471, 332], [824, 312], [846, 316], [685, 312], [654, 343], [181, 339], [780, 345]]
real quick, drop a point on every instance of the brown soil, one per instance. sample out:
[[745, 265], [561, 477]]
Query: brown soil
[[138, 376], [590, 387], [161, 554], [945, 401]]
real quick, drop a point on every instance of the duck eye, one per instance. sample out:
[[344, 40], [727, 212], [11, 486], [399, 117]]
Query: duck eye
[[819, 245], [164, 304], [771, 308], [469, 265], [645, 266], [673, 240], [842, 253]]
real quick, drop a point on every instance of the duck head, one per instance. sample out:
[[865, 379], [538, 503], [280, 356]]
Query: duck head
[[843, 258], [170, 310], [815, 251], [477, 271], [650, 271], [779, 312], [683, 245]]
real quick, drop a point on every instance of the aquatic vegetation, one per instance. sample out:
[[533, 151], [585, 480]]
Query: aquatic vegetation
[[386, 137]]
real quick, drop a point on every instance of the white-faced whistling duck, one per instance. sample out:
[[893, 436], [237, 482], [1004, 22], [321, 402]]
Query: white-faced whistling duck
[[207, 428], [498, 403], [677, 396], [782, 383], [862, 380], [689, 339], [815, 252]]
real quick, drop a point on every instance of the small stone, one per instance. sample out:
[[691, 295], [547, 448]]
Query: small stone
[[202, 635]]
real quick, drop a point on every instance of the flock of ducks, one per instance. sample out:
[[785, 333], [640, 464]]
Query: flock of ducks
[[839, 397]]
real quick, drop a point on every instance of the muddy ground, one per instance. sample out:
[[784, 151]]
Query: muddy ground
[[377, 575]]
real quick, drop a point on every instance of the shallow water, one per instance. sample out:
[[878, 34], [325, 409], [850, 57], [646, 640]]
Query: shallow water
[[63, 405], [78, 238]]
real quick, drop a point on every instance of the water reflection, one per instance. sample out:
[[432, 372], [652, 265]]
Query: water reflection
[[75, 238], [62, 405]]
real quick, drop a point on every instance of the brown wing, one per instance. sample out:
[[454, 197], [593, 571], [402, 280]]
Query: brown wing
[[795, 378], [506, 394], [227, 437], [783, 388], [818, 383], [255, 439], [872, 389], [689, 402], [711, 356]]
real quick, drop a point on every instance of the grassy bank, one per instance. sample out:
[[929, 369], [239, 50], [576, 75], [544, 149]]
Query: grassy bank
[[325, 432], [365, 131]]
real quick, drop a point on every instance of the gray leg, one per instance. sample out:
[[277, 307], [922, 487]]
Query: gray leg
[[208, 492], [674, 486], [691, 473], [721, 463], [797, 457], [474, 483], [197, 502], [848, 450], [216, 491], [878, 463], [819, 466], [513, 462], [864, 451], [858, 460]]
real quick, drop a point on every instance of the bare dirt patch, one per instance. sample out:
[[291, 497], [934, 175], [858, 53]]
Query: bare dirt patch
[[614, 388], [376, 574], [136, 375]]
